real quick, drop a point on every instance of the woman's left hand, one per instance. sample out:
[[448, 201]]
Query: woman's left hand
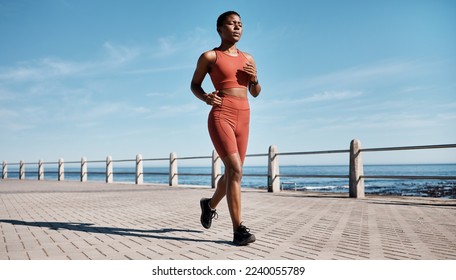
[[250, 69]]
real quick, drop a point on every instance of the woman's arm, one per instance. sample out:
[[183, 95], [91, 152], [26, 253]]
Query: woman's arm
[[202, 68], [250, 68]]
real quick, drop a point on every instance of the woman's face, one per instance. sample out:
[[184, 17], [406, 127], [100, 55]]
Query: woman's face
[[231, 30]]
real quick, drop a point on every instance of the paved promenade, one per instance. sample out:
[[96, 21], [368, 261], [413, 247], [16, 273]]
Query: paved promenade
[[79, 221]]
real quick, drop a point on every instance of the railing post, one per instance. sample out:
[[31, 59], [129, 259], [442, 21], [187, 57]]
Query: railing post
[[21, 170], [173, 177], [216, 169], [273, 170], [61, 175], [40, 170], [356, 181], [109, 175], [83, 169], [4, 170], [139, 170]]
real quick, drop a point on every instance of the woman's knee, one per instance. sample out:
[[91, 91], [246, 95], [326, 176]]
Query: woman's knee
[[234, 173], [233, 167]]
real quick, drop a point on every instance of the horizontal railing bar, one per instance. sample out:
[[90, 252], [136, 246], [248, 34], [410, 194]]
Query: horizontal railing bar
[[313, 176], [255, 175], [442, 146], [121, 173], [409, 177], [445, 146], [72, 162], [313, 152], [122, 160], [193, 174], [257, 155], [154, 159], [198, 157], [155, 173], [95, 161]]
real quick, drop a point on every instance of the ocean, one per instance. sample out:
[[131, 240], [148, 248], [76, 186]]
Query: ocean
[[256, 177]]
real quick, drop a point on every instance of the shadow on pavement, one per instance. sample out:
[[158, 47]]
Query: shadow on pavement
[[90, 228]]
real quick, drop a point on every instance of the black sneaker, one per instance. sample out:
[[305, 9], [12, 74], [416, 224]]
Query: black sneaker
[[207, 214], [242, 236]]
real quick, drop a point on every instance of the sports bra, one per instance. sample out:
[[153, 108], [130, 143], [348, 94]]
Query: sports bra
[[227, 71]]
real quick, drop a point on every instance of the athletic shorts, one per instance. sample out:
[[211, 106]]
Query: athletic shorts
[[228, 126]]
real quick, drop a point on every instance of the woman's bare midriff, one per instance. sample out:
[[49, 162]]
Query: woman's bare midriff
[[237, 92]]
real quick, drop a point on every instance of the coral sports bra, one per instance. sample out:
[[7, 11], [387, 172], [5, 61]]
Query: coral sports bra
[[227, 71]]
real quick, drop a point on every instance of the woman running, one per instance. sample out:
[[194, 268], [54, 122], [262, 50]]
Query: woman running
[[233, 73]]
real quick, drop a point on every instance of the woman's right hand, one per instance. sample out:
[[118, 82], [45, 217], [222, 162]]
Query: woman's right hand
[[213, 99]]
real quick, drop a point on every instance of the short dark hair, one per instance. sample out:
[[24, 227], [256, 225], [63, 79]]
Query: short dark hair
[[223, 16]]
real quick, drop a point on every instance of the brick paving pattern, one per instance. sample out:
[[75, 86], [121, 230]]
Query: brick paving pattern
[[79, 221]]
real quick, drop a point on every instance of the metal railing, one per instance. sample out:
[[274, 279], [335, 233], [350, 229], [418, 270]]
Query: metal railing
[[356, 174], [409, 148], [404, 148], [314, 153]]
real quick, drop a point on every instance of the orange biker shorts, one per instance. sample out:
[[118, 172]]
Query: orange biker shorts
[[228, 126]]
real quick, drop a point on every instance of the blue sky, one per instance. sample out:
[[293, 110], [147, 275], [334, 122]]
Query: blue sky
[[97, 78]]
